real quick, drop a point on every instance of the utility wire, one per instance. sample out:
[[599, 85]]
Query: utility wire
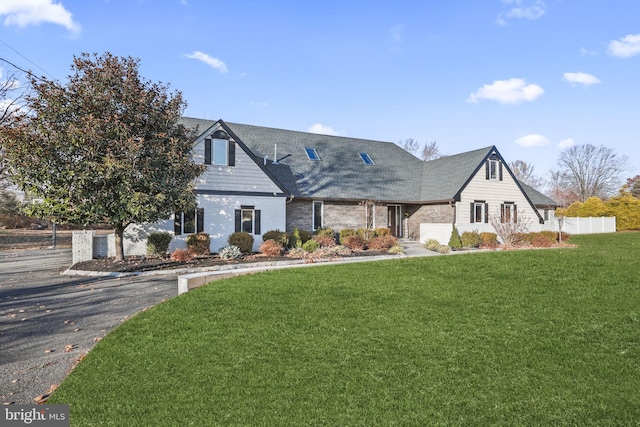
[[27, 59]]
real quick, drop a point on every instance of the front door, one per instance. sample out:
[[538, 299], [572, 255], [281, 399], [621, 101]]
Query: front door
[[394, 220]]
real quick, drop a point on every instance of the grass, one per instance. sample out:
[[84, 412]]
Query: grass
[[547, 337]]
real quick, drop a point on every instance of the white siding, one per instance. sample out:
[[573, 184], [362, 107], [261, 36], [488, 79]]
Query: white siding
[[246, 175], [494, 193]]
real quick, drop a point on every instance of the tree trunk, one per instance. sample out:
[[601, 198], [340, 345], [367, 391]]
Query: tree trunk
[[119, 243]]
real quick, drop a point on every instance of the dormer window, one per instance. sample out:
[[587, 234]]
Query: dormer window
[[494, 168], [366, 159], [312, 154], [219, 150]]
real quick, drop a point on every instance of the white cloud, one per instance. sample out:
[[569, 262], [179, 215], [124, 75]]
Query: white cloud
[[33, 12], [396, 33], [322, 129], [582, 78], [512, 91], [533, 140], [209, 60], [566, 143], [532, 11], [586, 52], [626, 47]]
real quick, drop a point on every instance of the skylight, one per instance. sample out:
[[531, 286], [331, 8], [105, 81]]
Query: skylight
[[366, 159], [312, 154]]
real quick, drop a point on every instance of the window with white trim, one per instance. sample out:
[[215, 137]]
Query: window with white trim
[[312, 154], [508, 212], [247, 219], [188, 222], [479, 212]]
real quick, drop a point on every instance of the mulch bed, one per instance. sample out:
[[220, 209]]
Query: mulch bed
[[142, 264]]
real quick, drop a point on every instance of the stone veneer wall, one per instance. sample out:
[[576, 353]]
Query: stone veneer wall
[[335, 215], [438, 214]]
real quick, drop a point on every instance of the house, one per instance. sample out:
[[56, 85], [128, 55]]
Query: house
[[260, 179]]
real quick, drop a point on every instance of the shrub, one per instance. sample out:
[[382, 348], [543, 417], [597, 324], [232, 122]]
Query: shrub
[[355, 242], [310, 246], [11, 215], [396, 250], [382, 243], [541, 241], [230, 252], [432, 244], [242, 240], [454, 240], [470, 239], [277, 235], [488, 240], [345, 232], [325, 232], [443, 249], [158, 242], [367, 233], [298, 237], [563, 237], [379, 232], [199, 243], [271, 248], [325, 241], [181, 255]]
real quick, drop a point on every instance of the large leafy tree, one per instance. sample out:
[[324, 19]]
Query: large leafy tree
[[106, 147], [587, 170]]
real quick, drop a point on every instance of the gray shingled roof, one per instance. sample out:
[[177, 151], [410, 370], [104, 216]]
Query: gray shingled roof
[[397, 176], [537, 198]]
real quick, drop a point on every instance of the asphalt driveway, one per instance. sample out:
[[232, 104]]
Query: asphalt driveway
[[48, 321]]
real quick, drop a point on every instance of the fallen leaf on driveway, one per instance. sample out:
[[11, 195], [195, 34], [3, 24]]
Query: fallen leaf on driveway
[[49, 351], [69, 322], [96, 339], [41, 399], [69, 347]]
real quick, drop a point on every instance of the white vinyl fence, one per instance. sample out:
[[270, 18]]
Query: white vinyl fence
[[591, 225]]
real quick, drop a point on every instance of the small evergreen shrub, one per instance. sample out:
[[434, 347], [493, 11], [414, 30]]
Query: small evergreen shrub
[[470, 239], [199, 243], [310, 246], [305, 235], [325, 232], [443, 249], [488, 240], [325, 241], [158, 242], [181, 255], [230, 252], [298, 237], [454, 240], [277, 235], [346, 232], [271, 248], [242, 240], [382, 243], [355, 242]]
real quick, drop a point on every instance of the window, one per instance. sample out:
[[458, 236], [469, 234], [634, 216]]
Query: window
[[188, 222], [366, 159], [494, 169], [479, 212], [312, 154], [546, 214], [247, 219], [219, 152], [317, 215], [508, 213]]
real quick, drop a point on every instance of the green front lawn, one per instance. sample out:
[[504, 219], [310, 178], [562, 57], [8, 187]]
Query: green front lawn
[[540, 337]]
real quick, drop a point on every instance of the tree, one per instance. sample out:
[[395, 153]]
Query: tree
[[427, 151], [633, 186], [105, 147], [588, 171], [524, 172]]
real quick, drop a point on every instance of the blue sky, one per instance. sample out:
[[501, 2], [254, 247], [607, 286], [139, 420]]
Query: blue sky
[[529, 76]]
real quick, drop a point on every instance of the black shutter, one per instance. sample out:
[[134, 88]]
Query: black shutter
[[500, 170], [473, 213], [177, 224], [486, 168], [207, 151], [502, 212], [256, 221], [515, 213], [486, 213], [199, 220], [238, 217], [232, 153]]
